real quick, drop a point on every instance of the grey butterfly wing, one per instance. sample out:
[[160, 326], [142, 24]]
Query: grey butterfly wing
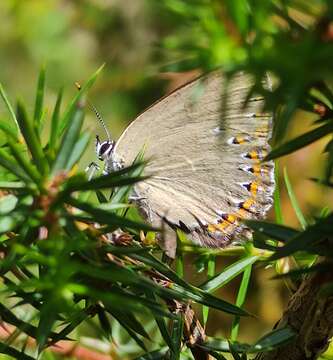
[[206, 173]]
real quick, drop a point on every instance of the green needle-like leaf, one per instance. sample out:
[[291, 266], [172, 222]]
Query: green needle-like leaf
[[119, 178], [161, 323], [206, 299], [187, 290], [13, 353], [32, 139], [131, 332], [12, 185], [9, 107], [73, 321], [78, 150], [268, 342], [210, 275], [104, 323], [228, 274], [273, 231], [48, 316], [222, 345], [277, 195], [123, 192], [107, 217], [55, 125], [131, 323], [241, 296], [154, 355], [8, 163], [273, 339], [12, 319], [176, 337], [305, 240], [7, 203], [66, 119], [218, 356], [24, 163], [301, 141], [69, 141], [39, 100], [233, 351], [9, 130], [294, 201]]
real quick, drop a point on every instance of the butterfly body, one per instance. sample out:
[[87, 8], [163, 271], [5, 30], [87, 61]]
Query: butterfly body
[[204, 152]]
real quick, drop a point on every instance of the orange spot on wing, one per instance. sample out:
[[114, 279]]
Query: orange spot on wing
[[228, 223], [240, 140], [247, 204], [212, 227], [242, 213], [253, 188], [223, 225], [253, 155], [231, 218], [256, 170]]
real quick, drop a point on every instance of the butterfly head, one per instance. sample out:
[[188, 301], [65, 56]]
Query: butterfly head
[[104, 148]]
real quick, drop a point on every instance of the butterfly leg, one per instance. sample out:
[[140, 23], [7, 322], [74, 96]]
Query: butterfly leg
[[91, 170], [136, 198], [148, 213]]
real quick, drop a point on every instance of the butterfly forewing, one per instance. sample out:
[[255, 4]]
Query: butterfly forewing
[[204, 151]]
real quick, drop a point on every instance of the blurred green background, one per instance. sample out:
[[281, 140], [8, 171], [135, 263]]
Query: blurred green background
[[73, 38]]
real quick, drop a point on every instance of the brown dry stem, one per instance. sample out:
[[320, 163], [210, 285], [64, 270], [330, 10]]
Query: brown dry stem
[[310, 314]]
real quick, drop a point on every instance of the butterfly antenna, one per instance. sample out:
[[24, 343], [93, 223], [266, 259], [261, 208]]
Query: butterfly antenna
[[100, 119], [98, 115]]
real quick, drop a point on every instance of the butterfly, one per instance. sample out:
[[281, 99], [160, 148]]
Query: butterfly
[[205, 148]]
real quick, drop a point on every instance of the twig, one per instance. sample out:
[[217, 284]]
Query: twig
[[310, 315]]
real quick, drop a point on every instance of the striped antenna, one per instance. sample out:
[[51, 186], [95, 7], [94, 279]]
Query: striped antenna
[[98, 115]]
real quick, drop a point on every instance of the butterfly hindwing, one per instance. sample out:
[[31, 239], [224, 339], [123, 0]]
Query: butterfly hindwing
[[204, 151]]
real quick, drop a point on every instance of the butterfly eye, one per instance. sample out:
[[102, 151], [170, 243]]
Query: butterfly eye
[[104, 149]]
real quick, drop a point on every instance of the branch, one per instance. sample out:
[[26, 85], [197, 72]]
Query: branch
[[310, 315]]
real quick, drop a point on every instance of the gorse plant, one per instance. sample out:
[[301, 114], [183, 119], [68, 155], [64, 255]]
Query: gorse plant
[[63, 268], [71, 252]]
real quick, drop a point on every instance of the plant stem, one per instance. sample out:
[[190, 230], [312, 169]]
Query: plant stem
[[241, 296]]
